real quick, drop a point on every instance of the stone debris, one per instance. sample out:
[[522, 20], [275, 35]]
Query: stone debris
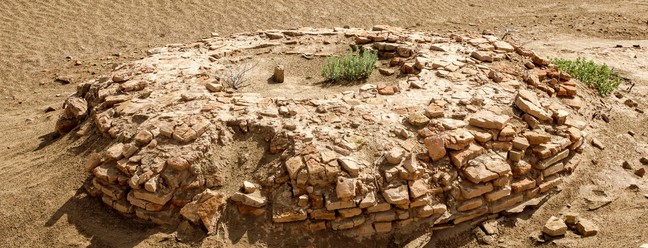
[[454, 140], [571, 218], [249, 187], [644, 160], [598, 144], [586, 228], [490, 227], [482, 237], [75, 111], [278, 75], [555, 227]]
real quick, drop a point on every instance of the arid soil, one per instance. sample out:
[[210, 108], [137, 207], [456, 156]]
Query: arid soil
[[42, 203]]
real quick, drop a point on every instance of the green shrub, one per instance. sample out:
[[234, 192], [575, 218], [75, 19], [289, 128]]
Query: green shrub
[[352, 66], [603, 78]]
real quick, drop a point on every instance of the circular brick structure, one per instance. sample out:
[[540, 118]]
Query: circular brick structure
[[471, 126]]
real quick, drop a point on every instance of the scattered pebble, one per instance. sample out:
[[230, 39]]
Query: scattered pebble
[[644, 160], [618, 94], [490, 227], [537, 237], [586, 228], [605, 118], [598, 144], [631, 103], [571, 218], [555, 227], [63, 80]]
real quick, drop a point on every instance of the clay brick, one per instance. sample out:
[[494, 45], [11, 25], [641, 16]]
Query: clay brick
[[550, 183], [321, 225], [498, 194], [522, 185], [547, 162], [380, 207], [471, 215], [365, 229], [349, 212], [385, 216], [506, 203], [322, 214], [470, 204], [556, 168], [470, 190], [460, 158], [382, 227]]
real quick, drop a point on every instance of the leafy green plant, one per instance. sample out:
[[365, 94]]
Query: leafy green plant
[[603, 78], [352, 66]]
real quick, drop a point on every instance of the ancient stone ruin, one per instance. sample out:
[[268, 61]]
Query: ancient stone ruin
[[473, 126]]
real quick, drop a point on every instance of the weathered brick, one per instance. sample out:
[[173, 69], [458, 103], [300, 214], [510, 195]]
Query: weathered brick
[[157, 198], [470, 204], [418, 188], [489, 120], [382, 226], [350, 212], [365, 229], [556, 168], [380, 207], [520, 143], [476, 172], [335, 203], [347, 223], [552, 160], [321, 225], [322, 214], [470, 190], [550, 183], [522, 185], [460, 158], [505, 203], [282, 215], [397, 195], [429, 210], [471, 215], [498, 194], [385, 216]]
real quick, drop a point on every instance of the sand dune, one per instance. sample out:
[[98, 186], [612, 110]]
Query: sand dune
[[37, 34]]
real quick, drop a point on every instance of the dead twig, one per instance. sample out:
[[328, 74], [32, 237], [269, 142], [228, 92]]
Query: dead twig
[[236, 76], [631, 86]]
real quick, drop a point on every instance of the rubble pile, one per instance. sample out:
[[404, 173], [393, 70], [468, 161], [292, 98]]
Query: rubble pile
[[473, 127]]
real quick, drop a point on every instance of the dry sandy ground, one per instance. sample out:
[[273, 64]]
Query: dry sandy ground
[[41, 200]]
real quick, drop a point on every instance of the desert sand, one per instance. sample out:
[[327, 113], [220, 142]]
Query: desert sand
[[42, 203]]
